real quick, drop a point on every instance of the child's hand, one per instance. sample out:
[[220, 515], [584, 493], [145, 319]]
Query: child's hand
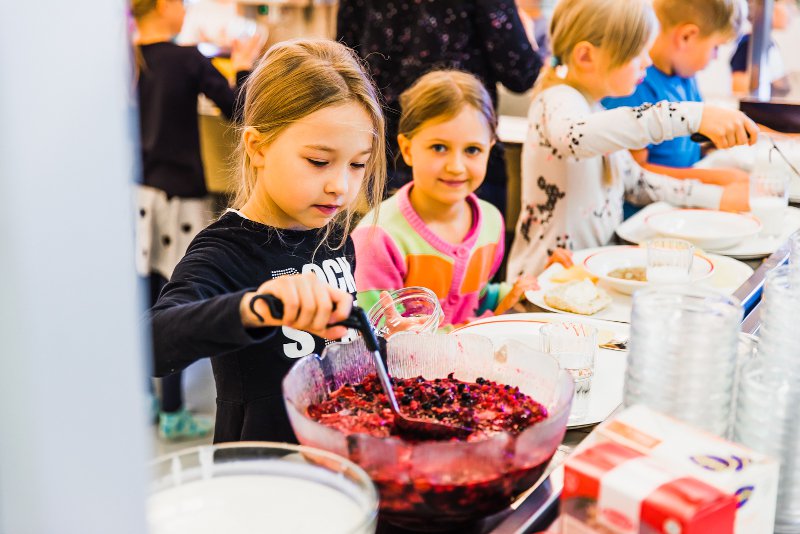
[[523, 284], [244, 53], [735, 197], [562, 256], [397, 323], [308, 304], [727, 127]]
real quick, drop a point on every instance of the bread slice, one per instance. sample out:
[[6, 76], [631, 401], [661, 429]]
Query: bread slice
[[576, 272], [580, 296]]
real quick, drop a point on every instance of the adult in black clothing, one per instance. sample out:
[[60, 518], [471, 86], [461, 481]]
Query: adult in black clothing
[[312, 152], [403, 39], [172, 202]]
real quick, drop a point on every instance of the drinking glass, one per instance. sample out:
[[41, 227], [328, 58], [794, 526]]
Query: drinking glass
[[411, 309], [683, 354], [574, 346], [669, 260], [769, 197]]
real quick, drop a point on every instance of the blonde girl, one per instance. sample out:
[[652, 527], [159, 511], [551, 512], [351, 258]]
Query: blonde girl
[[434, 232], [311, 150], [576, 168]]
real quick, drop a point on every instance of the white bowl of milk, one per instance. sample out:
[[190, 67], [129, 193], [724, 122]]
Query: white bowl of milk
[[244, 488]]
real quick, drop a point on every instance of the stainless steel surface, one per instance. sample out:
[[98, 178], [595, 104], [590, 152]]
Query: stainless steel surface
[[760, 85], [749, 293]]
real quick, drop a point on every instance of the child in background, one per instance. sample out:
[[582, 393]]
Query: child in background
[[576, 168], [691, 32], [311, 150], [434, 232], [172, 204], [782, 12]]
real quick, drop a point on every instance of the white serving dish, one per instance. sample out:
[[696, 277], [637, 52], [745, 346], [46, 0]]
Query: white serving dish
[[605, 260], [708, 229], [634, 230]]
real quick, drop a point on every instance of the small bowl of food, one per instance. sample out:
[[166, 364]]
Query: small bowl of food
[[624, 268]]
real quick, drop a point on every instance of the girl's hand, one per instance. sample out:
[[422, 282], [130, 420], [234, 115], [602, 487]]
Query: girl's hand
[[562, 256], [735, 197], [308, 304], [523, 284], [244, 53], [727, 127], [397, 323]]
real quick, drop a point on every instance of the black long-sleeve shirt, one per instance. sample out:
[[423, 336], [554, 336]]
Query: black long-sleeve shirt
[[198, 315], [169, 82]]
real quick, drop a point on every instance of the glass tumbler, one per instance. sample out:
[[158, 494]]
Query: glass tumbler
[[779, 334], [669, 260], [769, 197], [683, 354], [766, 421], [574, 346], [408, 309]]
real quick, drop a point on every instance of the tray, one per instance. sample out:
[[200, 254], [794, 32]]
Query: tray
[[635, 230], [729, 275]]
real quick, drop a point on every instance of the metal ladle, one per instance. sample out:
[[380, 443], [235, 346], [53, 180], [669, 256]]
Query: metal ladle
[[421, 429]]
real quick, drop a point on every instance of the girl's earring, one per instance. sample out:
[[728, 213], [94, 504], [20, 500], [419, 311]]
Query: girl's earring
[[560, 69]]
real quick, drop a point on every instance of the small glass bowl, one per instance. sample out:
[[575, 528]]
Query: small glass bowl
[[410, 303]]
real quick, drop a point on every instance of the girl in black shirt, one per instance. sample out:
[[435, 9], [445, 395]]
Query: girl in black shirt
[[312, 149]]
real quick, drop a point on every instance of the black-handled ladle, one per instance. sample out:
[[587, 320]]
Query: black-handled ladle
[[409, 426]]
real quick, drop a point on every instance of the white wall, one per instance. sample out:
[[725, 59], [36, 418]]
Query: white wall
[[72, 421]]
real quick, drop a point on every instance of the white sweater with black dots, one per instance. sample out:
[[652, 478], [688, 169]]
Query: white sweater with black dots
[[566, 201]]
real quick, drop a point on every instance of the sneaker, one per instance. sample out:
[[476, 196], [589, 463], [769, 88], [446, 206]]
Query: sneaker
[[183, 425]]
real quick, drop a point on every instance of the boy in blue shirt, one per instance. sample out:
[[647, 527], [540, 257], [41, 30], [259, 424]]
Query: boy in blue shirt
[[691, 31]]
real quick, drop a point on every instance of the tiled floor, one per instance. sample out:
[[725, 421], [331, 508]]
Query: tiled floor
[[199, 396]]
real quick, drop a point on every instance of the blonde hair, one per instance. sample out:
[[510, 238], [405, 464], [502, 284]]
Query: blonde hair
[[711, 16], [140, 8], [622, 28], [441, 95], [296, 78]]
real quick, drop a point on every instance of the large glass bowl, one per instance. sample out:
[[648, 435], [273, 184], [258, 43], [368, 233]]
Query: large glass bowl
[[241, 488], [438, 485]]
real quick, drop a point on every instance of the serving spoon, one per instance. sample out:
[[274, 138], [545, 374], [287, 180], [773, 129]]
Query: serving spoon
[[422, 429]]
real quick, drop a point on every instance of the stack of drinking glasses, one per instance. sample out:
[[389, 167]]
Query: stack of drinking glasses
[[769, 390], [683, 354]]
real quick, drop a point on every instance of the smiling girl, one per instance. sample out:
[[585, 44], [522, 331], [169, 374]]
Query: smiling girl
[[434, 232], [311, 150]]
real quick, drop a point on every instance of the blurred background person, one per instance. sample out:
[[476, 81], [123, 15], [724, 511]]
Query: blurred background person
[[401, 40]]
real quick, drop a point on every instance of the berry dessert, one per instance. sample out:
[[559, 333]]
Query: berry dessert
[[485, 406], [446, 486]]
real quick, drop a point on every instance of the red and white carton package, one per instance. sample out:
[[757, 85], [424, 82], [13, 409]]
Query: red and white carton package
[[609, 488], [660, 454]]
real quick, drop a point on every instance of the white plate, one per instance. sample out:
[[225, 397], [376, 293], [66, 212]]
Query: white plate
[[708, 229], [609, 366], [605, 260], [729, 274], [636, 231]]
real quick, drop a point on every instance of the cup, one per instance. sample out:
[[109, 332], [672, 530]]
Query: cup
[[769, 197], [669, 261], [574, 346], [409, 309]]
